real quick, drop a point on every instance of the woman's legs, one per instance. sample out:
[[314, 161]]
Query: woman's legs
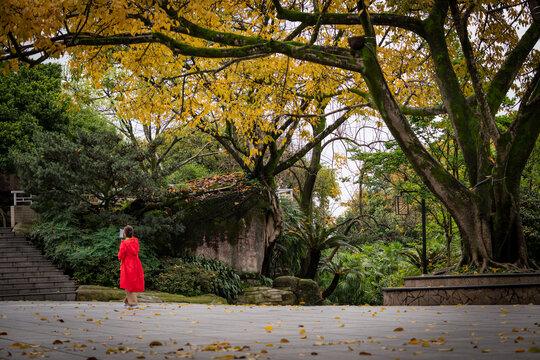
[[131, 298]]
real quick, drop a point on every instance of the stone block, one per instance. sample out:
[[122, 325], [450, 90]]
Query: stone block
[[287, 282], [309, 292], [266, 295]]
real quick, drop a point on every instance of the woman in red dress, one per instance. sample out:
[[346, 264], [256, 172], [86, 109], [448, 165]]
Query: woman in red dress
[[131, 271]]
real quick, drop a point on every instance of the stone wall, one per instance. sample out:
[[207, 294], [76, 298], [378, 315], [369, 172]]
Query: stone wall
[[228, 226], [244, 252], [21, 214]]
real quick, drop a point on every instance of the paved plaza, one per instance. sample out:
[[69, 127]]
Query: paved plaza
[[103, 330]]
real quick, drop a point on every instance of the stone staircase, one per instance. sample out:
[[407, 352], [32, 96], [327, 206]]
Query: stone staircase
[[482, 289], [25, 274]]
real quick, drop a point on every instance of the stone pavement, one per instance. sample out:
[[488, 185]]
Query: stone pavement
[[99, 330]]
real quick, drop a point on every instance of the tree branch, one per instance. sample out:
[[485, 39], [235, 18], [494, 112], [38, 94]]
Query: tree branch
[[306, 148], [506, 75], [485, 111]]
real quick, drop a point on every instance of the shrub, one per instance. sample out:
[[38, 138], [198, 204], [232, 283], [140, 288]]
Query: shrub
[[89, 257], [193, 276], [179, 277], [376, 266]]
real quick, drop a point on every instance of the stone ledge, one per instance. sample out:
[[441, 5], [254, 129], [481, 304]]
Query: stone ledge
[[495, 294], [470, 279]]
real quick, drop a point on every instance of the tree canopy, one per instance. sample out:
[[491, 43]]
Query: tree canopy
[[29, 102], [253, 63]]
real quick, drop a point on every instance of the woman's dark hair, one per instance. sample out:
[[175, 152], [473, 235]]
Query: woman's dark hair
[[128, 231]]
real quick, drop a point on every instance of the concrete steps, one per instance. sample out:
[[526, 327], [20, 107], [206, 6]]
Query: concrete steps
[[482, 289], [25, 274]]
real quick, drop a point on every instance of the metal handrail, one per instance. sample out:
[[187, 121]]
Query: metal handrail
[[19, 198]]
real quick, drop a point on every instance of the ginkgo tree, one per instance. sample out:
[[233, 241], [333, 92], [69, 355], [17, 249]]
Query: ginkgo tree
[[252, 110], [459, 59]]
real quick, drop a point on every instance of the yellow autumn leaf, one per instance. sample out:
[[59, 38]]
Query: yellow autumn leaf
[[268, 328]]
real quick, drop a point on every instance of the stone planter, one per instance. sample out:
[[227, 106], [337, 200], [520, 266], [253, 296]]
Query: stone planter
[[482, 289]]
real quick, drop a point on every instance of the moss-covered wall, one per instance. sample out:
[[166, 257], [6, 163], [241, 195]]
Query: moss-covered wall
[[228, 226]]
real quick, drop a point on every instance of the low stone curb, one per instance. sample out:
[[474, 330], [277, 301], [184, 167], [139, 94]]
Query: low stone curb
[[102, 293]]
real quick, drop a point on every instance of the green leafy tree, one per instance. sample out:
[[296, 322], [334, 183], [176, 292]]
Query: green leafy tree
[[30, 101], [89, 173]]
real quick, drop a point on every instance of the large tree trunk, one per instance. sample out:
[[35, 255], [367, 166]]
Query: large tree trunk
[[490, 226], [306, 196], [273, 228]]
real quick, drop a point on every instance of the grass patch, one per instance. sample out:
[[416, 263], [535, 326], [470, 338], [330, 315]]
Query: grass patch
[[102, 293]]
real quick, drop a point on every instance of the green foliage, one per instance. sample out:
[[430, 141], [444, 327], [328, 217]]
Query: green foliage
[[317, 235], [90, 257], [378, 222], [29, 102], [188, 172], [530, 219], [530, 204], [179, 277], [434, 256], [193, 276], [80, 176], [366, 272]]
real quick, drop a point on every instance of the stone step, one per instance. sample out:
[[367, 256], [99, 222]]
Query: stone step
[[20, 268], [30, 274], [479, 279], [16, 244], [40, 296], [23, 286], [14, 240], [20, 264], [21, 257], [25, 274], [494, 294], [16, 278], [20, 251], [7, 233]]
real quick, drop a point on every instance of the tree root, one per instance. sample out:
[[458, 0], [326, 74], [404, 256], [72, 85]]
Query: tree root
[[486, 263]]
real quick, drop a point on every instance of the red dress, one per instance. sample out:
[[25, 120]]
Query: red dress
[[131, 271]]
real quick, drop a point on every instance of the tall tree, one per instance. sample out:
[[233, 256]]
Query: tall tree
[[29, 102], [471, 50]]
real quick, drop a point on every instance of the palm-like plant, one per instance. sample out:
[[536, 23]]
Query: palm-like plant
[[317, 237], [336, 267]]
